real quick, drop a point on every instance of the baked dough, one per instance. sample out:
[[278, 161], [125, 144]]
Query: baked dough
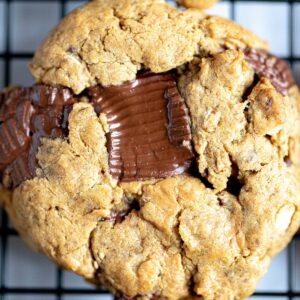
[[203, 235]]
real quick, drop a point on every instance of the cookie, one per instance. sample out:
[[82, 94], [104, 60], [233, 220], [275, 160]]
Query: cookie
[[158, 153], [200, 4]]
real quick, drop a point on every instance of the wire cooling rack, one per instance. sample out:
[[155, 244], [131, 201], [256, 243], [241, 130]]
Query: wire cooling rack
[[25, 275]]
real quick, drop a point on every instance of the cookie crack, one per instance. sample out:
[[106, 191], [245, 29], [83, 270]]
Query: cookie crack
[[96, 266]]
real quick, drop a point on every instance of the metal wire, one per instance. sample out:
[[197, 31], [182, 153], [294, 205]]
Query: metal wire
[[6, 232]]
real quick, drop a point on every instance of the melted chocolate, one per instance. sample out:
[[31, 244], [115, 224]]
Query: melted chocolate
[[26, 115], [149, 132], [272, 67]]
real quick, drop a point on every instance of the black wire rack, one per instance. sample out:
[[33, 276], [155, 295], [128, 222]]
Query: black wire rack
[[5, 231]]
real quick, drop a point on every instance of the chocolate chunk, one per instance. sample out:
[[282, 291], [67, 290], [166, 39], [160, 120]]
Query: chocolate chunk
[[288, 161], [27, 115], [272, 67], [116, 217], [149, 132]]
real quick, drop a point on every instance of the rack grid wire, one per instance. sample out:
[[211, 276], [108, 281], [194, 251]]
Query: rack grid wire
[[59, 291]]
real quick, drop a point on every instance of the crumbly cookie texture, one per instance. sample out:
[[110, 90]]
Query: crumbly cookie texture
[[107, 42], [208, 235], [202, 4]]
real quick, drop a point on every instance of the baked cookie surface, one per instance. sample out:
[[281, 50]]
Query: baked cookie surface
[[158, 155]]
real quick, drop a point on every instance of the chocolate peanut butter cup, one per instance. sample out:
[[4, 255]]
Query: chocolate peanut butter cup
[[149, 132], [275, 69], [27, 115]]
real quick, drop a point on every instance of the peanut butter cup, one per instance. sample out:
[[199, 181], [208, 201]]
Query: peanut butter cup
[[272, 67], [149, 132], [27, 115]]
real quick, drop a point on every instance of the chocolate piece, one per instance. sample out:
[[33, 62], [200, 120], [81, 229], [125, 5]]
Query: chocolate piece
[[288, 161], [149, 132], [272, 67], [26, 115], [115, 217]]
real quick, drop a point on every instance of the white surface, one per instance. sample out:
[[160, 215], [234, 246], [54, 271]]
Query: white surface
[[275, 280], [30, 297], [19, 73], [221, 9], [296, 275], [73, 4], [2, 26], [31, 22], [24, 268], [266, 298], [296, 29], [71, 280], [87, 297], [269, 20]]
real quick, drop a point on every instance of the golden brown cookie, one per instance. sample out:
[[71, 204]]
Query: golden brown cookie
[[201, 4], [158, 155]]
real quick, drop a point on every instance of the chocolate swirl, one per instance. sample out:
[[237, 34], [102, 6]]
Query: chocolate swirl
[[149, 132], [26, 115], [272, 67]]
